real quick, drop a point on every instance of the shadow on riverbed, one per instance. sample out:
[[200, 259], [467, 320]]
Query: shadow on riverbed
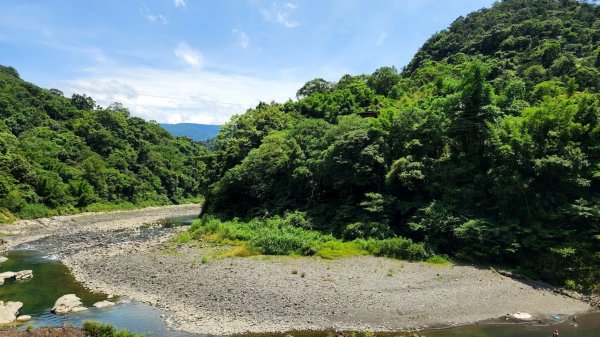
[[588, 325]]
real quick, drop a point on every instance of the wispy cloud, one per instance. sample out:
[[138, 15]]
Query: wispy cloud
[[151, 17], [179, 3], [280, 14], [243, 38], [194, 96], [188, 55], [381, 39]]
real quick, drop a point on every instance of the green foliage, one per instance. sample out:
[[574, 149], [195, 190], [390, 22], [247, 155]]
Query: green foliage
[[278, 236], [32, 211], [484, 149], [397, 248], [96, 329], [67, 155]]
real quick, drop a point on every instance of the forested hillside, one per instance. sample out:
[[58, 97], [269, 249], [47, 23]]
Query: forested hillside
[[486, 147], [62, 155]]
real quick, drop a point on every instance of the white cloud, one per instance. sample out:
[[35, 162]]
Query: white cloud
[[243, 38], [381, 39], [280, 14], [154, 18], [179, 3], [283, 19], [188, 55], [191, 95]]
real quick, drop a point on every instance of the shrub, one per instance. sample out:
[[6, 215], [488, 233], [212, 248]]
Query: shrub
[[287, 236], [280, 243], [397, 248], [95, 329], [366, 230], [335, 248], [32, 211]]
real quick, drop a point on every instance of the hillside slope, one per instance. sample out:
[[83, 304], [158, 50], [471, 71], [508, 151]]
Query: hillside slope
[[60, 155], [484, 148]]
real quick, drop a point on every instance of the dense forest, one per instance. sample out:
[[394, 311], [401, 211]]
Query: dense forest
[[485, 147], [64, 155]]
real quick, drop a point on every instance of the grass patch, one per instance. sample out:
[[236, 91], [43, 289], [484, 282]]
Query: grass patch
[[335, 249], [96, 329], [239, 251], [282, 236], [181, 238], [438, 260]]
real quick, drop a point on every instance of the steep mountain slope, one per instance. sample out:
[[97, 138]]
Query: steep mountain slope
[[197, 132], [59, 154], [484, 148], [535, 40]]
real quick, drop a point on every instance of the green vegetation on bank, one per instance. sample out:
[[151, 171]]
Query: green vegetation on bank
[[485, 148], [96, 329], [291, 235], [66, 155]]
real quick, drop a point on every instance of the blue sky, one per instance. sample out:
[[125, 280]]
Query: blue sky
[[202, 61]]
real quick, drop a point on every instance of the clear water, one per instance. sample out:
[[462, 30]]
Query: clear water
[[52, 279]]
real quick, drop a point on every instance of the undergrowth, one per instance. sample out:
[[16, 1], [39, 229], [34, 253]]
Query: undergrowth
[[96, 329], [280, 236]]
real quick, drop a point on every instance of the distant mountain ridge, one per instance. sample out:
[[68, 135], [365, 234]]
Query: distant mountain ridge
[[198, 132]]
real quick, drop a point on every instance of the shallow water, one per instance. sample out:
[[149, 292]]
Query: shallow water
[[52, 279]]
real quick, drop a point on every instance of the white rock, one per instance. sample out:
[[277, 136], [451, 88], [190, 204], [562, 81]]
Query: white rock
[[7, 274], [24, 275], [23, 318], [523, 316], [3, 259], [68, 303], [103, 304], [9, 311]]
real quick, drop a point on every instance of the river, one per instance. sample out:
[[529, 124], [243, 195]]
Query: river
[[52, 279]]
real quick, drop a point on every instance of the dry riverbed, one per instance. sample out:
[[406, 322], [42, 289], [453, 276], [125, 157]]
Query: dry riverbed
[[205, 293]]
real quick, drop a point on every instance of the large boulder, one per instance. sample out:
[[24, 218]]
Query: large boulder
[[7, 274], [23, 318], [9, 311], [103, 304], [68, 303], [24, 275]]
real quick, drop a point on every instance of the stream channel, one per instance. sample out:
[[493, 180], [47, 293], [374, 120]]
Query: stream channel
[[52, 279]]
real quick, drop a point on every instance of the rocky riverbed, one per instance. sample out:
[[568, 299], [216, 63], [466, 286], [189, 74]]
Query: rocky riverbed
[[223, 296], [204, 292]]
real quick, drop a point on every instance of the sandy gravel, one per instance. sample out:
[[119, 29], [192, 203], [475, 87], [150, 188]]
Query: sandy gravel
[[73, 227], [273, 294], [207, 294]]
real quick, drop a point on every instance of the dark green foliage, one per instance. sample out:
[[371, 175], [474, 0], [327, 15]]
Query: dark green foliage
[[485, 148], [282, 236], [58, 154], [96, 329]]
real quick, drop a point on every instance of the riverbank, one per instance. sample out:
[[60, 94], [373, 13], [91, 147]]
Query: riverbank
[[204, 292], [84, 228], [222, 296]]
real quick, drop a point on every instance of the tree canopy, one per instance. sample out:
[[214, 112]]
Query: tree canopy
[[485, 147], [61, 154]]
